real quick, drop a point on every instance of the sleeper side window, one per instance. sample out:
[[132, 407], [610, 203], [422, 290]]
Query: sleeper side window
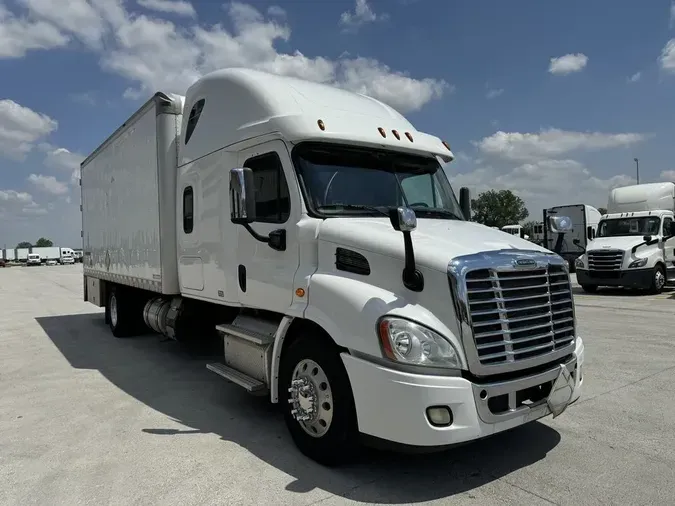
[[272, 201], [188, 210], [195, 113]]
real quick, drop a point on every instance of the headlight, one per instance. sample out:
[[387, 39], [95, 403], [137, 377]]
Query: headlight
[[579, 262], [410, 343], [641, 262]]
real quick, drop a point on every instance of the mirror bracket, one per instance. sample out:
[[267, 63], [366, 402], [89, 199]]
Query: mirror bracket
[[404, 220]]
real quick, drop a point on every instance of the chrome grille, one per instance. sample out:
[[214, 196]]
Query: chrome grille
[[519, 314], [605, 260]]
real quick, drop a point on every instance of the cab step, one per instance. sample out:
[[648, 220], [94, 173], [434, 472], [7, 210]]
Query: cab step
[[249, 384]]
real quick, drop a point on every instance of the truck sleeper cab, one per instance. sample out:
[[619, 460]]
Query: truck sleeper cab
[[635, 243], [316, 231]]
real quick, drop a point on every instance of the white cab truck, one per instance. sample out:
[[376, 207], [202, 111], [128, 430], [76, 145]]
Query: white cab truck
[[515, 230], [635, 243], [314, 231], [67, 256], [572, 243], [33, 259]]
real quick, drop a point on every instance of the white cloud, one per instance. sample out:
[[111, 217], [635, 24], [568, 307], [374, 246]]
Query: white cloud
[[155, 53], [362, 14], [48, 184], [15, 204], [494, 93], [635, 77], [551, 143], [667, 175], [667, 58], [275, 10], [20, 128], [567, 64], [542, 184], [19, 35], [63, 159], [179, 7]]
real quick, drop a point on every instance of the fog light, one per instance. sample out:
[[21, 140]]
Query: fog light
[[439, 416]]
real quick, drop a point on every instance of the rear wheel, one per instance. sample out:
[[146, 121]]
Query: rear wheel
[[123, 313], [658, 280], [317, 401]]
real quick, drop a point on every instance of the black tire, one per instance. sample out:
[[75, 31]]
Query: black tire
[[589, 288], [658, 280], [124, 314], [340, 443]]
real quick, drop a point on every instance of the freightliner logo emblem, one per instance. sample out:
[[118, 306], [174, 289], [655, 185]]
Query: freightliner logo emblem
[[524, 263]]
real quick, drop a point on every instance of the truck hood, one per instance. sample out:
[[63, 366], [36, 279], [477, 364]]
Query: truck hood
[[436, 242], [622, 243]]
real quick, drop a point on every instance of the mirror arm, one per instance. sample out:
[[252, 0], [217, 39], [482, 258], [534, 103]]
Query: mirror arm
[[412, 277], [255, 234]]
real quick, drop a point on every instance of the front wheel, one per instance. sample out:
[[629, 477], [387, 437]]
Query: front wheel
[[658, 280], [317, 401]]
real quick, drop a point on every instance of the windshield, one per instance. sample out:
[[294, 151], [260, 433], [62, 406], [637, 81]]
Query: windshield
[[339, 180], [648, 225]]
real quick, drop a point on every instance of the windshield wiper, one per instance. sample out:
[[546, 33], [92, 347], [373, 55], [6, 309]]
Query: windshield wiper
[[355, 207], [433, 212]]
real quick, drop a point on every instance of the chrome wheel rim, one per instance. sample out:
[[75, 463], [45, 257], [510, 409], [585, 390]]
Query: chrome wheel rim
[[113, 310], [659, 279], [311, 398]]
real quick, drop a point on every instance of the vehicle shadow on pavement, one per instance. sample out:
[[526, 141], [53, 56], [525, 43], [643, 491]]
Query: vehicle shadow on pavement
[[145, 367], [620, 292]]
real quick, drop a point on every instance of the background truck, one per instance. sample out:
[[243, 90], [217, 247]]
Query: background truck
[[634, 246], [22, 254], [66, 256], [33, 259], [314, 231], [572, 243]]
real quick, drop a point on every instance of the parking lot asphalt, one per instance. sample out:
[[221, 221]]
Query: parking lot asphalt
[[89, 419]]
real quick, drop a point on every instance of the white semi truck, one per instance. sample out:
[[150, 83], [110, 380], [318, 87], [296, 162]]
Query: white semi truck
[[635, 244], [315, 230]]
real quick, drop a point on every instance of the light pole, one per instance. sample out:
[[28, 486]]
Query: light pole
[[637, 169]]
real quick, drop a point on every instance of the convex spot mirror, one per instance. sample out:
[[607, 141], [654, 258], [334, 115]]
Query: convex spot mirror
[[560, 224]]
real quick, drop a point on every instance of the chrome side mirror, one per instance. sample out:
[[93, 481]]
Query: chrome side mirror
[[242, 196], [560, 224], [403, 219]]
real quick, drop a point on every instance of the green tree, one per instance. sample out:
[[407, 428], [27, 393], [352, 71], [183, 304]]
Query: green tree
[[496, 208], [43, 243], [602, 210], [24, 244]]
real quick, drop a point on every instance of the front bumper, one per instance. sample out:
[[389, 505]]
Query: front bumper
[[391, 405], [633, 278]]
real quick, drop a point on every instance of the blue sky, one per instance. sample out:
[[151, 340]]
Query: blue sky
[[550, 99]]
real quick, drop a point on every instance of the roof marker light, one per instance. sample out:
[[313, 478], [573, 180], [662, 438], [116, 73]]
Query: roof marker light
[[407, 134], [382, 132], [447, 145], [321, 124], [396, 134]]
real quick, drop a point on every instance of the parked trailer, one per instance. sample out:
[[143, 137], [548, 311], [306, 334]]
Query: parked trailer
[[271, 210], [22, 254], [9, 255], [635, 243], [47, 253], [573, 243]]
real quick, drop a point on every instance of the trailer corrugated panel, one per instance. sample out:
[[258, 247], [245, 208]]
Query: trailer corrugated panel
[[128, 200]]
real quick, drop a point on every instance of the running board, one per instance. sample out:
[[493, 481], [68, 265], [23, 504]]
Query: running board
[[249, 384]]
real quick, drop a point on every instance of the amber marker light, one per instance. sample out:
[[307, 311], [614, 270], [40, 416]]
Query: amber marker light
[[382, 132], [396, 134], [300, 292], [322, 126]]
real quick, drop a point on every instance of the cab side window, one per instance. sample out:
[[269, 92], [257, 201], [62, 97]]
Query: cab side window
[[195, 113], [272, 201], [666, 226]]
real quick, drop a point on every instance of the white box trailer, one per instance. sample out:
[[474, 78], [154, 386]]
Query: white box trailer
[[572, 244], [315, 232], [47, 252], [22, 254], [9, 255]]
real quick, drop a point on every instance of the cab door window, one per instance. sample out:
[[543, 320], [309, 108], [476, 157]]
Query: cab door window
[[272, 199]]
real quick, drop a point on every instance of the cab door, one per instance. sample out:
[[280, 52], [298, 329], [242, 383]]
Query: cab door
[[668, 248], [265, 275]]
